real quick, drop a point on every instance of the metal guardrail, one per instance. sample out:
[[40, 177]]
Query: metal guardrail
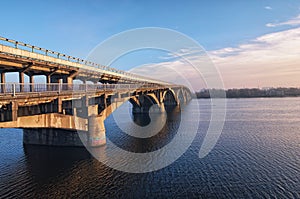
[[23, 88], [35, 49]]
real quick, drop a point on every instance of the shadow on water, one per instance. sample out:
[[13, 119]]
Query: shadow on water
[[141, 119], [46, 162]]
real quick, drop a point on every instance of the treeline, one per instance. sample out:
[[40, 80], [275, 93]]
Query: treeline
[[249, 93]]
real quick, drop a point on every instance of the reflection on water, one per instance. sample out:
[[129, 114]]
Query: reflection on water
[[257, 155], [52, 161], [142, 145]]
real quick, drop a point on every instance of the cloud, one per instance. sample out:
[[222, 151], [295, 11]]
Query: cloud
[[178, 70], [269, 60], [268, 8], [292, 22]]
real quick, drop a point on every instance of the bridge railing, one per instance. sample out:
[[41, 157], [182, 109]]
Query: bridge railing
[[23, 88], [35, 49], [43, 51]]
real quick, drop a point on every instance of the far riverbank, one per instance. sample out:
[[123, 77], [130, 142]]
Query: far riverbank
[[250, 93]]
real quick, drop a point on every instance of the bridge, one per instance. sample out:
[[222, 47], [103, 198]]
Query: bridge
[[61, 111]]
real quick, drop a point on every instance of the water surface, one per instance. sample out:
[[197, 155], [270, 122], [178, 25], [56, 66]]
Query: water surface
[[257, 156]]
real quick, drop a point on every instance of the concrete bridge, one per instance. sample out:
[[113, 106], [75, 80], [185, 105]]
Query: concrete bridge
[[59, 111]]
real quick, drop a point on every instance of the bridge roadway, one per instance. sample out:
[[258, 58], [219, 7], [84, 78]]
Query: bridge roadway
[[32, 60], [60, 112]]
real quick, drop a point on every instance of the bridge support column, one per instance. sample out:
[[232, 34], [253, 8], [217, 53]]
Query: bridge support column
[[58, 105], [54, 79], [96, 128], [31, 81], [48, 81], [14, 111], [3, 82], [162, 108], [68, 80], [21, 81]]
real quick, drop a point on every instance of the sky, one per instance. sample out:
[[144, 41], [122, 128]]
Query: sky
[[251, 43]]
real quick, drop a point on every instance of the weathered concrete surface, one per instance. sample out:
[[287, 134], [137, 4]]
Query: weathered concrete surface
[[51, 120]]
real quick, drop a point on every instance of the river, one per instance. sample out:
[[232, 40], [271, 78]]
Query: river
[[256, 156]]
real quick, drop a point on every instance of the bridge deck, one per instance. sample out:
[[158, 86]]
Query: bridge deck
[[18, 56]]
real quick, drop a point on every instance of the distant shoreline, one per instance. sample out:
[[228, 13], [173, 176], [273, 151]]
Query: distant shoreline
[[245, 97], [249, 93]]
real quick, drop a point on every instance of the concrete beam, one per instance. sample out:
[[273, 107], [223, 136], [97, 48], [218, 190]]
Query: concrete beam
[[73, 74], [49, 120], [26, 67]]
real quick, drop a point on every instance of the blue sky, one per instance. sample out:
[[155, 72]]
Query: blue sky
[[76, 27]]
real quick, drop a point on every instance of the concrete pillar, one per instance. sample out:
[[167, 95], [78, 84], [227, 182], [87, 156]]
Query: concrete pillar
[[31, 81], [14, 111], [54, 80], [3, 83], [57, 105], [161, 97], [69, 81], [105, 102], [48, 81], [21, 81], [161, 108], [96, 128]]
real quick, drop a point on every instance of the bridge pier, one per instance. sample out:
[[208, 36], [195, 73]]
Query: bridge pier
[[31, 81], [21, 81], [96, 128], [68, 80]]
